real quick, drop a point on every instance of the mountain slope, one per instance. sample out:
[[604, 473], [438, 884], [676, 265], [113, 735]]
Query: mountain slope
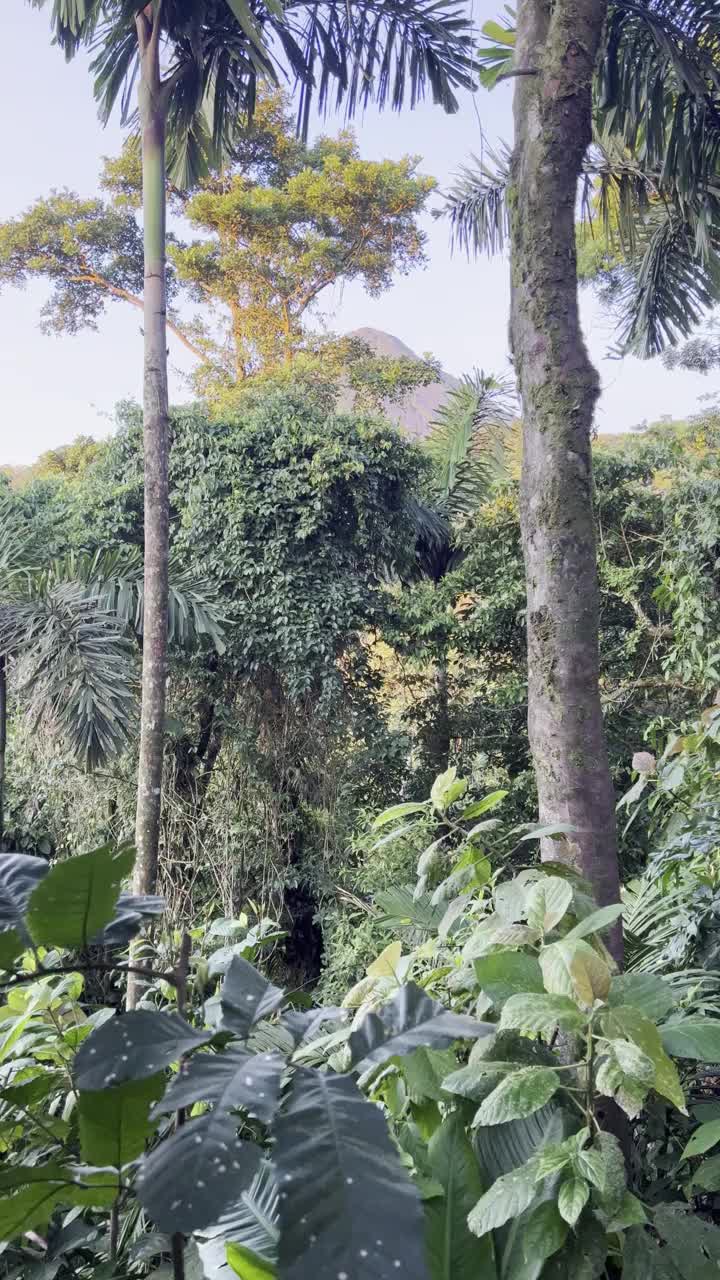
[[415, 413]]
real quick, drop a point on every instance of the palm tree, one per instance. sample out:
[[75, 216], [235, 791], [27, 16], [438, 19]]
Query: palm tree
[[197, 64], [467, 445], [650, 175], [72, 629]]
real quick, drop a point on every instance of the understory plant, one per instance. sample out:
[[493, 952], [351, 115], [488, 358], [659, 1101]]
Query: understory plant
[[492, 1100], [527, 1152]]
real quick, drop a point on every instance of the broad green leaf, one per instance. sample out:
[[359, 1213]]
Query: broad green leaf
[[629, 1214], [20, 875], [386, 965], [697, 1038], [74, 902], [410, 1020], [633, 1062], [397, 811], [647, 992], [454, 1253], [613, 1173], [11, 947], [246, 998], [707, 1136], [502, 974], [248, 1265], [509, 900], [478, 807], [29, 1208], [544, 1233], [507, 1198], [190, 1179], [40, 1189], [114, 1124], [547, 902], [643, 1258], [556, 1156], [425, 1071], [133, 1046], [542, 1013], [691, 1243], [518, 1095], [23, 1175], [347, 1205], [573, 1195], [596, 921], [707, 1175], [477, 1079], [33, 1091], [495, 931], [229, 1080], [447, 788], [574, 969], [628, 1022]]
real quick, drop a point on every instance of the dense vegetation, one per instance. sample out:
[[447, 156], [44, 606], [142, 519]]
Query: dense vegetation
[[359, 806]]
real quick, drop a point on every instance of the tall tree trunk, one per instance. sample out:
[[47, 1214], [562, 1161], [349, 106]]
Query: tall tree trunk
[[153, 112], [557, 47]]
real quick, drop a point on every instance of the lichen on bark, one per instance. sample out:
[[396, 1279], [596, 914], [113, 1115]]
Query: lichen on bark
[[559, 389]]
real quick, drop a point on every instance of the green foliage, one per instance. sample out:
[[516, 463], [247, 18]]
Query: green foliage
[[649, 171], [93, 1092]]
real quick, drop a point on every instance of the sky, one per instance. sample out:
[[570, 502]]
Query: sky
[[55, 388]]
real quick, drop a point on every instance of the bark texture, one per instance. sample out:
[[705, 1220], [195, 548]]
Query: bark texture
[[155, 442], [557, 48]]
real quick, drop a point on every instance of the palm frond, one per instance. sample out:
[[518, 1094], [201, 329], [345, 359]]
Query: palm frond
[[467, 441], [217, 51], [476, 204], [650, 924], [72, 21], [76, 667], [659, 84], [674, 285], [113, 579], [253, 1222]]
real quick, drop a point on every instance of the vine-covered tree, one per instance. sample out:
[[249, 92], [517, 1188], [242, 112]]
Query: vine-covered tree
[[197, 67]]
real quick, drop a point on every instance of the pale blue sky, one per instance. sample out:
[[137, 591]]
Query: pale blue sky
[[54, 388]]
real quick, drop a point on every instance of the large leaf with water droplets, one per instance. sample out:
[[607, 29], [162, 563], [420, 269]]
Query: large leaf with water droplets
[[136, 1045], [229, 1080], [347, 1206], [408, 1021], [246, 998], [19, 876], [190, 1179]]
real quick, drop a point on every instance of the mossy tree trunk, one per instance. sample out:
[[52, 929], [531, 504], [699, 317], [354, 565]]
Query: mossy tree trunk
[[557, 48]]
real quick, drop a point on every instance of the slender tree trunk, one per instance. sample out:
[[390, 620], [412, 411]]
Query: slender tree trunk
[[438, 745], [3, 740], [155, 441], [557, 47]]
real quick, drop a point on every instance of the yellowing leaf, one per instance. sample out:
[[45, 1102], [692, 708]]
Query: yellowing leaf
[[387, 962], [631, 1024], [575, 969], [547, 901]]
